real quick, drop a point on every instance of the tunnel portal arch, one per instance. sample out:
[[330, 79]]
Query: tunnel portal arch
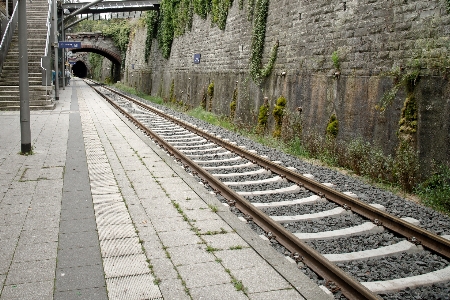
[[80, 69], [111, 55]]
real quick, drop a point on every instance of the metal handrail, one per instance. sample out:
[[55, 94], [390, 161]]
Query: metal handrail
[[7, 36], [49, 25]]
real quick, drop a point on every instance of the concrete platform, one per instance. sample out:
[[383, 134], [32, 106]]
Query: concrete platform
[[98, 211]]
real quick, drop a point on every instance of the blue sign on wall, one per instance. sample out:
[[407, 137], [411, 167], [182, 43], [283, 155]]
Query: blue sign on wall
[[197, 58], [69, 44]]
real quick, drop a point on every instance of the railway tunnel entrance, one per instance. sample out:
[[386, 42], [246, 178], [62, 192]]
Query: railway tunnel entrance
[[79, 69]]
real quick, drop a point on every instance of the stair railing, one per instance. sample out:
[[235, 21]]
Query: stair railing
[[45, 60], [8, 35]]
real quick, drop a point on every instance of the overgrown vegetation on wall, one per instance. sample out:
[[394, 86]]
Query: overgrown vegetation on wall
[[278, 112], [96, 61], [151, 21], [263, 116], [176, 17], [258, 40], [117, 29], [406, 164]]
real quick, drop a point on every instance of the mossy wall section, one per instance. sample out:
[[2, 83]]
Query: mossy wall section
[[371, 38]]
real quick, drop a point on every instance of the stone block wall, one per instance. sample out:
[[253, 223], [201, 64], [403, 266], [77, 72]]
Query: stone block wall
[[370, 37]]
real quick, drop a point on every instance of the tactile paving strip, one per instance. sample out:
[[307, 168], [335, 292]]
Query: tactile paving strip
[[127, 272]]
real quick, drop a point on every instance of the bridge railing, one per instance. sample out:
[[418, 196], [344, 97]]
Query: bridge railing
[[8, 35]]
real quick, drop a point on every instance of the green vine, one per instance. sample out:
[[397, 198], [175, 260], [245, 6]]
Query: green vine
[[96, 62], [165, 28], [219, 11], [183, 16], [202, 8], [151, 21], [278, 112], [241, 4], [250, 9], [258, 38]]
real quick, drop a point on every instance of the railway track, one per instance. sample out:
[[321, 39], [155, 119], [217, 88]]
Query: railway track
[[354, 245]]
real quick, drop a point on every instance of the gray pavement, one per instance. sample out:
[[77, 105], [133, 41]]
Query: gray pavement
[[98, 211]]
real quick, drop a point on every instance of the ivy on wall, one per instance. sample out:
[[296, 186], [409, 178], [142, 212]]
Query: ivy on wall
[[176, 16], [117, 29], [183, 17], [151, 21], [96, 61], [202, 8], [250, 9], [258, 72], [219, 12], [165, 33]]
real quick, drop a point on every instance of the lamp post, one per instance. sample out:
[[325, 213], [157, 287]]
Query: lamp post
[[25, 131]]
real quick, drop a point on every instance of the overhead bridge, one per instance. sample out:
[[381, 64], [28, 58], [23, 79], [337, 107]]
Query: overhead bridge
[[114, 6]]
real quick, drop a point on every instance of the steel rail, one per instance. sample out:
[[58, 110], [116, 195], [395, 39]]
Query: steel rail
[[414, 233], [349, 286]]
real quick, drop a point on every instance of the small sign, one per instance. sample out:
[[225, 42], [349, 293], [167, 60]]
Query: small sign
[[69, 44], [72, 62], [197, 58]]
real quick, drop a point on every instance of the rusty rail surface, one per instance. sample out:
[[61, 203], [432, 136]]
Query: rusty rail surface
[[350, 287]]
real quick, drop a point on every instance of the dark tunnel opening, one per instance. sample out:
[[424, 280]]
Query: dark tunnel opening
[[79, 69]]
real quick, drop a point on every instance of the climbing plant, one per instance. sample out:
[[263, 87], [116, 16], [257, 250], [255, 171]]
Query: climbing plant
[[202, 7], [117, 29], [258, 39], [219, 12], [241, 4], [165, 33], [151, 21], [250, 9], [96, 62], [183, 16]]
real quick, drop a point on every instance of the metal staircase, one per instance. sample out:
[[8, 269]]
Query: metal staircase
[[40, 97]]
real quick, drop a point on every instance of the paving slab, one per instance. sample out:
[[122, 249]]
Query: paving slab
[[204, 274], [32, 290], [219, 292]]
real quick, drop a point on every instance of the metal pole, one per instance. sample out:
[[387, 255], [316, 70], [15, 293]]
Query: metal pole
[[62, 51], [25, 131], [7, 13], [55, 43]]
